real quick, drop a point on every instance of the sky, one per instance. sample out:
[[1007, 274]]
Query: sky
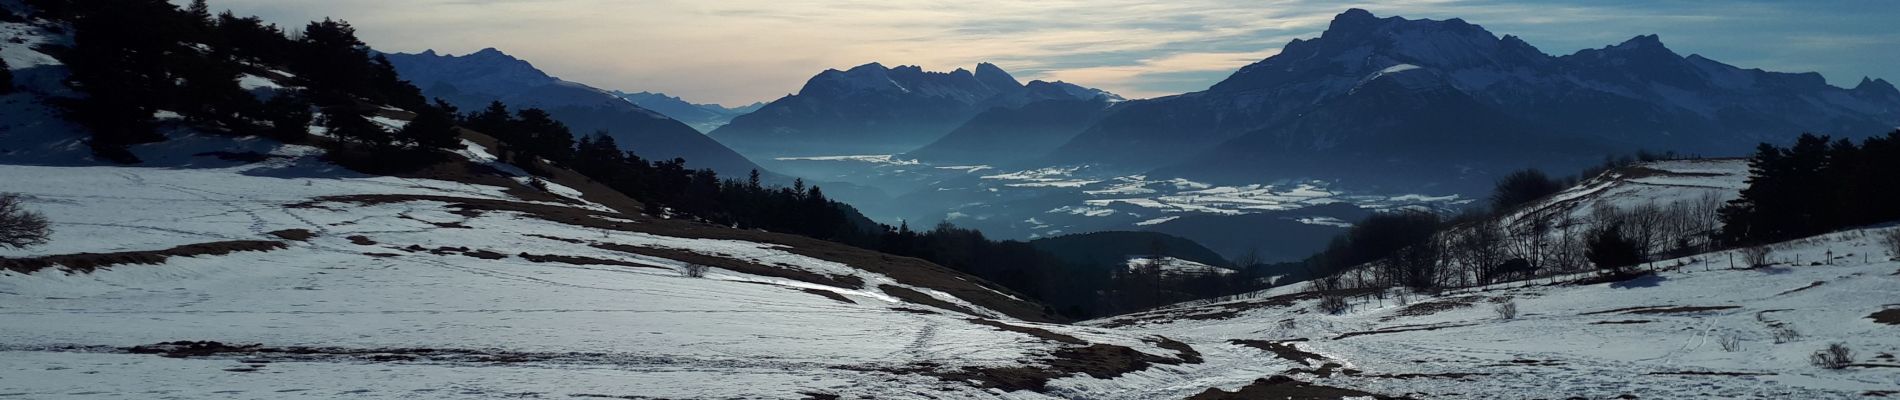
[[741, 51]]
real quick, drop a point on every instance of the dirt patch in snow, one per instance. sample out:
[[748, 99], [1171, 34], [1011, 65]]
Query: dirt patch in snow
[[737, 265], [1039, 333], [361, 240], [294, 234], [1711, 373], [1435, 306], [1398, 330], [1284, 350], [1100, 361], [580, 260], [1282, 387], [1650, 310], [1809, 286], [914, 296], [1224, 310], [829, 295], [1443, 375], [1624, 276], [1622, 322], [89, 262], [1889, 316], [905, 270]]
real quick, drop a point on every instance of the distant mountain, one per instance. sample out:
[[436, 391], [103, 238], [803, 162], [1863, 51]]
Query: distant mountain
[[1115, 248], [1427, 103], [872, 109], [472, 81], [704, 117], [1008, 134]]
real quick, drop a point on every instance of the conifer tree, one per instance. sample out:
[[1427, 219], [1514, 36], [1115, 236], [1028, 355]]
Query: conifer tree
[[433, 128], [289, 115], [118, 60], [6, 78]]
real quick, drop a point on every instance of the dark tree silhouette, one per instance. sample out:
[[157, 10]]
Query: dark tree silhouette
[[1611, 251], [20, 228], [6, 78], [1522, 187]]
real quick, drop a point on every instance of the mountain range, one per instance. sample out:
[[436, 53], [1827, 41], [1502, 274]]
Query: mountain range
[[1395, 102], [472, 81], [704, 117], [1376, 103], [873, 109]]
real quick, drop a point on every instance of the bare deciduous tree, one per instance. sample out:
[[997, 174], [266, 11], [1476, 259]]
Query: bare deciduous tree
[[20, 228]]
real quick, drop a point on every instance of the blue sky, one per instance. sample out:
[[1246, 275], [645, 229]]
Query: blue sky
[[740, 51]]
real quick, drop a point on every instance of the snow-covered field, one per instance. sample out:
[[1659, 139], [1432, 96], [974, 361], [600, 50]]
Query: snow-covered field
[[630, 325], [321, 282], [1656, 337]]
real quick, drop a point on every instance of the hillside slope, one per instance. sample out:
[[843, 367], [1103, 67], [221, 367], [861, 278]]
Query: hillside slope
[[1655, 337], [241, 267], [473, 80]]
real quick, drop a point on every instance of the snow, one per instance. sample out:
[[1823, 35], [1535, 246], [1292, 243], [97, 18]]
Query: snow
[[1171, 265], [253, 82], [1157, 221], [882, 159], [1564, 344], [657, 333]]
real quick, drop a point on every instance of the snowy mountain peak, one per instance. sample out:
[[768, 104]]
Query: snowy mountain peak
[[1039, 89]]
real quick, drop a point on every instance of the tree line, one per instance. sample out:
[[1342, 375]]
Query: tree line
[[1815, 186], [135, 59], [1510, 240]]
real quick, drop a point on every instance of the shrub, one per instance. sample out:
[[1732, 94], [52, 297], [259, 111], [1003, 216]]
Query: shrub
[[694, 271], [1758, 256], [1334, 304], [1731, 343], [20, 228], [1611, 251], [538, 184], [1836, 356], [1506, 310], [1892, 241], [1785, 333]]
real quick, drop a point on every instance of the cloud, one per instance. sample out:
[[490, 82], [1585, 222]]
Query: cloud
[[739, 51]]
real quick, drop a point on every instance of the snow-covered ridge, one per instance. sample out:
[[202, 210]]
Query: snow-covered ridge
[[1695, 330]]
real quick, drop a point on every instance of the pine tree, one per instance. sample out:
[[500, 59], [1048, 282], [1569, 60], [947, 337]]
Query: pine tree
[[543, 136], [289, 115], [1611, 251], [494, 121], [331, 58], [118, 59], [1522, 187], [6, 78], [350, 125], [199, 12], [251, 38], [391, 88], [433, 128]]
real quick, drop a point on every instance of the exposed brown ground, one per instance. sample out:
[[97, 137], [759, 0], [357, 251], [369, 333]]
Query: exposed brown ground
[[88, 262]]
